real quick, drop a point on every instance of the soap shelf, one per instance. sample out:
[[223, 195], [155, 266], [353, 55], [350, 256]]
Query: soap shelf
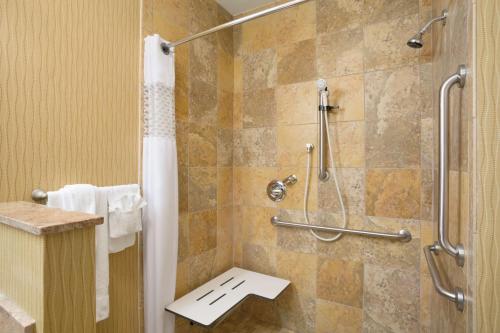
[[209, 304]]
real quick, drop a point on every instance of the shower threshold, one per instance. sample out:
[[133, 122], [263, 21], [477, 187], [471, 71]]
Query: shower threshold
[[212, 302]]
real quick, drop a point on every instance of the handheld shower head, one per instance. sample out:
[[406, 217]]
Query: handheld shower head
[[321, 84], [416, 41]]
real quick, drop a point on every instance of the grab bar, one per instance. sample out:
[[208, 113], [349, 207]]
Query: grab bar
[[457, 295], [403, 235], [458, 78]]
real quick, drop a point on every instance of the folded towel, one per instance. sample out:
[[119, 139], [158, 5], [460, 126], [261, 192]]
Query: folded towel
[[88, 199], [125, 216], [102, 257]]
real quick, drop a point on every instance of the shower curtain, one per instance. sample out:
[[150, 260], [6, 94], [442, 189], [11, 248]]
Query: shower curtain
[[159, 186]]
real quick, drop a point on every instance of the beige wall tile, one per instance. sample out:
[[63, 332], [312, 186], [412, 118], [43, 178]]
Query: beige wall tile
[[202, 102], [340, 53], [225, 67], [183, 249], [297, 311], [202, 57], [385, 43], [393, 118], [349, 248], [340, 281], [201, 268], [225, 147], [250, 186], [202, 190], [292, 142], [225, 109], [255, 147], [391, 300], [334, 317], [202, 231], [377, 10], [259, 108], [259, 70], [181, 285], [348, 93], [296, 240], [348, 142], [202, 145], [297, 62], [297, 103], [339, 15], [256, 227], [224, 187], [291, 25], [295, 193], [352, 187], [259, 258], [299, 268], [393, 193]]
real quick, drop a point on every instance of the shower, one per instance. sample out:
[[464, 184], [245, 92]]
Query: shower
[[416, 41]]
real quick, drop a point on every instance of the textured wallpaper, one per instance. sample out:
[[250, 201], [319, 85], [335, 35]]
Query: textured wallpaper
[[69, 94], [70, 110], [488, 159]]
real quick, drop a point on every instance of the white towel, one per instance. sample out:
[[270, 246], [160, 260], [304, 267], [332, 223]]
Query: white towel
[[88, 199], [125, 216]]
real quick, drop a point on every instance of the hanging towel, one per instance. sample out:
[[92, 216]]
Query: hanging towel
[[125, 220], [89, 199], [160, 187]]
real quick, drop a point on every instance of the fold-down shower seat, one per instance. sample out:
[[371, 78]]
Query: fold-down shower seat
[[213, 301]]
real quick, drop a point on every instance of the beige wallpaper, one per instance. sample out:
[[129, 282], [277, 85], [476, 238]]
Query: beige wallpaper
[[488, 162], [69, 110], [51, 277]]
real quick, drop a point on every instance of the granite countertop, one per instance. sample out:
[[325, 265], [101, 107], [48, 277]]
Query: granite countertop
[[41, 220], [13, 318]]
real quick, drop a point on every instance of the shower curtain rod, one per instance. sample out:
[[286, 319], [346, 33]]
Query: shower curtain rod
[[167, 47]]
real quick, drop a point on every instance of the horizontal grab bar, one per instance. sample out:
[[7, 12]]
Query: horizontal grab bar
[[403, 235], [457, 295]]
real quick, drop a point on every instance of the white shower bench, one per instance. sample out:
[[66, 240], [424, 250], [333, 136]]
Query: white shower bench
[[211, 302]]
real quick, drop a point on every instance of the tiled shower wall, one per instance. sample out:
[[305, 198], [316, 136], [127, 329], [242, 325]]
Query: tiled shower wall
[[383, 148], [204, 102]]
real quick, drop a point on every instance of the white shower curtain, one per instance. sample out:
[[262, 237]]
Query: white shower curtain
[[160, 187]]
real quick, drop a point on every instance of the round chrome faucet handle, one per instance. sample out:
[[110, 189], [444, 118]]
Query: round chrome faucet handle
[[276, 189]]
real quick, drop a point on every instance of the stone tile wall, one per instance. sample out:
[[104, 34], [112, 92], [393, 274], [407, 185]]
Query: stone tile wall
[[383, 144]]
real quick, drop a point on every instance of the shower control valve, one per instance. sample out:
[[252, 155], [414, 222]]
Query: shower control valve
[[276, 189]]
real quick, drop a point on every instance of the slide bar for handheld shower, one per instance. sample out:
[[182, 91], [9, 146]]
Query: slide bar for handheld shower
[[456, 251], [403, 235], [166, 47]]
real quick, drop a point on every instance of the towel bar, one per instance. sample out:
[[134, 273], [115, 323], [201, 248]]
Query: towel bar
[[457, 295], [403, 235]]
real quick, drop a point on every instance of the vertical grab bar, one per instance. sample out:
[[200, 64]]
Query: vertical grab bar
[[456, 251], [456, 295]]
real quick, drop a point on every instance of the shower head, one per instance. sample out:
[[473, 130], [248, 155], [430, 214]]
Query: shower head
[[416, 41], [321, 84]]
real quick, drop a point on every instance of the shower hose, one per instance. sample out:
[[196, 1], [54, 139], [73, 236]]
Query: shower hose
[[334, 175]]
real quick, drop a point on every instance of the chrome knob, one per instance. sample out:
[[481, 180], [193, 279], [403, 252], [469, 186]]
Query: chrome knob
[[276, 189]]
